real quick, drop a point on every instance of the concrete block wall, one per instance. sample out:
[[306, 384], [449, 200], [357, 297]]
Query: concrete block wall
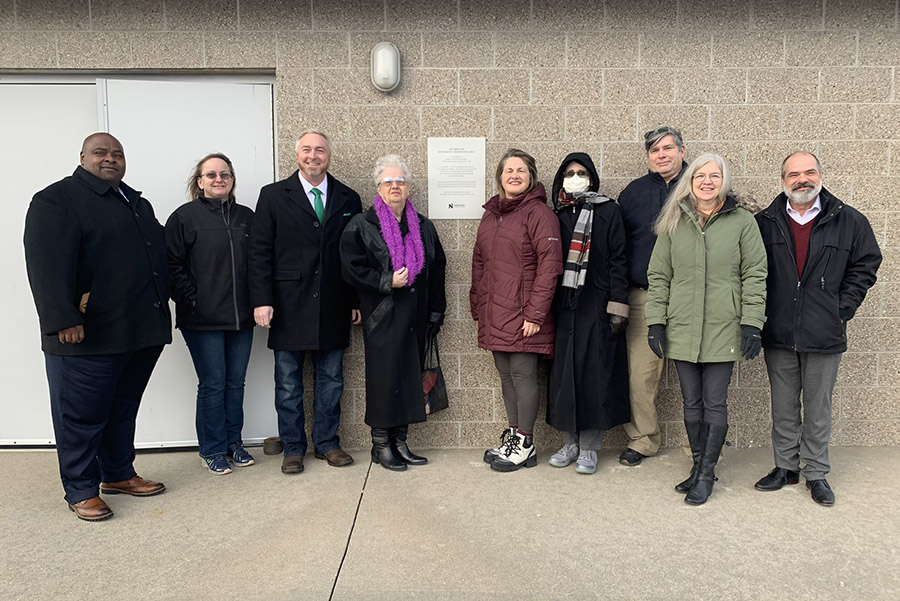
[[750, 79]]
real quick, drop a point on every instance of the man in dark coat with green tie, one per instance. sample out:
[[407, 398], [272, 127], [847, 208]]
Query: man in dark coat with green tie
[[297, 290]]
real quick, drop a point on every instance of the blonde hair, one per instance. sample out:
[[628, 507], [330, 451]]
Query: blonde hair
[[670, 215], [306, 133], [193, 188]]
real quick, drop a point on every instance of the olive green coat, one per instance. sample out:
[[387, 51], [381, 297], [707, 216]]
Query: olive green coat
[[705, 283]]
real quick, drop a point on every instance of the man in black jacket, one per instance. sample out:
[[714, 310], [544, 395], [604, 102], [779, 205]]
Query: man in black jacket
[[823, 257], [96, 260], [297, 290], [641, 202]]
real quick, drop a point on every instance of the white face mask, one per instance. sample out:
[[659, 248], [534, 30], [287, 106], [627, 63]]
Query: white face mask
[[576, 184]]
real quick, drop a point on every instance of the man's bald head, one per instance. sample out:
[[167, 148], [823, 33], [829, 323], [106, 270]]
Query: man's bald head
[[103, 156]]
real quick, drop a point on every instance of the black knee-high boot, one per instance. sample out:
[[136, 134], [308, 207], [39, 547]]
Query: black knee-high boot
[[401, 449], [382, 452], [696, 432], [712, 447]]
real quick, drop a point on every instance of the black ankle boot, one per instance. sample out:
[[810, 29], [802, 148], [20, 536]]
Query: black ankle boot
[[709, 457], [696, 432], [401, 449], [382, 453]]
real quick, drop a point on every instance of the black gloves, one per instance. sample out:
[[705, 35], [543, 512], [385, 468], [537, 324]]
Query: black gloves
[[433, 328], [656, 338], [617, 324], [751, 342], [844, 314]]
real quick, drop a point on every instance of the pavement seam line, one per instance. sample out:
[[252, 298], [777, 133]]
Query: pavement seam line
[[350, 535]]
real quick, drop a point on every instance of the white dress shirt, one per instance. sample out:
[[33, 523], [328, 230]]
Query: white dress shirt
[[810, 214], [307, 187]]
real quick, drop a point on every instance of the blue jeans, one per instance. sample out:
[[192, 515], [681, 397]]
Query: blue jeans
[[220, 359], [94, 402], [328, 386]]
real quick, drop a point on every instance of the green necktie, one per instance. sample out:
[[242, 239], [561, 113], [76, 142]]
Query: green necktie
[[318, 206]]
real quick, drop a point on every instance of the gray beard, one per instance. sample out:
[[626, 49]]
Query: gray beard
[[799, 197]]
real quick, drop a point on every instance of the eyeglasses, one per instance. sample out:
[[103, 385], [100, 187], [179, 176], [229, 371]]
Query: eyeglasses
[[224, 176], [660, 132], [389, 181], [579, 173], [713, 177]]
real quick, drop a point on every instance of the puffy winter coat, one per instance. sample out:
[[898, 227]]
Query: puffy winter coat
[[707, 282], [805, 315], [516, 261]]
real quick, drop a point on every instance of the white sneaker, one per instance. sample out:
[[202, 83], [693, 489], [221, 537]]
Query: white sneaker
[[587, 462], [564, 456], [492, 454], [518, 452]]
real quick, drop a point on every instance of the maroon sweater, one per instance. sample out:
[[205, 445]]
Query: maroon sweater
[[801, 242]]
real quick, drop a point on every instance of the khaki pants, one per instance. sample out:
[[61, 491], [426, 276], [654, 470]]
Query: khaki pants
[[644, 372]]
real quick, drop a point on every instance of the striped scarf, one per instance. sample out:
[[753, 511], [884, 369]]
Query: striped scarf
[[575, 269]]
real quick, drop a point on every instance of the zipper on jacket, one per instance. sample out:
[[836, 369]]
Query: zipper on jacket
[[227, 220]]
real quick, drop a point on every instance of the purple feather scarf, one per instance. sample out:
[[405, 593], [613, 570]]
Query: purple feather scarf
[[405, 251]]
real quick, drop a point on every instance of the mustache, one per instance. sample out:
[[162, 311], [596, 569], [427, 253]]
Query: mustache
[[797, 186]]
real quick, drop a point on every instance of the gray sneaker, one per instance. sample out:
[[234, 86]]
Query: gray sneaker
[[564, 456], [587, 462]]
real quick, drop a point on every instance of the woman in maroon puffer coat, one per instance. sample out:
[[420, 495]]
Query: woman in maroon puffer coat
[[515, 264]]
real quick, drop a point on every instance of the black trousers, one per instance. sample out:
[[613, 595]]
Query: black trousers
[[94, 400], [704, 387]]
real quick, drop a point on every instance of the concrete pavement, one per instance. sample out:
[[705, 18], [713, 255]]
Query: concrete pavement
[[456, 530]]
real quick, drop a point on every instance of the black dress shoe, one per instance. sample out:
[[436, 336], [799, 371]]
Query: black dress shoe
[[631, 458], [821, 492], [777, 478]]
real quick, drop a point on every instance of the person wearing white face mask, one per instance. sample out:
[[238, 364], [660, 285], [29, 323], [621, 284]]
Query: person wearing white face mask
[[589, 378]]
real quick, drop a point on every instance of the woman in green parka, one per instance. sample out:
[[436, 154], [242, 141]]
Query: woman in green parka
[[706, 304]]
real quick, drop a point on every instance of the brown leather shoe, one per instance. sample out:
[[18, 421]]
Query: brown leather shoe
[[135, 486], [92, 510], [335, 457], [292, 464]]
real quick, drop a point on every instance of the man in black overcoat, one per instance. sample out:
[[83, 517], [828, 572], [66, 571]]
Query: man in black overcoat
[[297, 290], [96, 260]]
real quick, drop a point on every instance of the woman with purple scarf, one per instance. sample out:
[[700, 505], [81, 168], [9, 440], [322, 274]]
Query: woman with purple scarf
[[392, 256]]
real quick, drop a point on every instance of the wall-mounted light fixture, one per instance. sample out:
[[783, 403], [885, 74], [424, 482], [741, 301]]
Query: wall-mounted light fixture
[[385, 66]]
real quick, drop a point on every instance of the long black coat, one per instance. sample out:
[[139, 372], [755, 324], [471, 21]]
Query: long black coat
[[295, 265], [805, 315], [589, 377], [394, 319], [82, 237]]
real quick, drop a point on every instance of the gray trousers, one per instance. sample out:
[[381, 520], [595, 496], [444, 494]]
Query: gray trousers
[[587, 440], [704, 387], [519, 383], [807, 380]]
